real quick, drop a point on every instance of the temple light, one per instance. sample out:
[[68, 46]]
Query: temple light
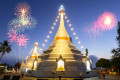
[[35, 65], [69, 25], [58, 17], [81, 47], [45, 40], [78, 42], [40, 49], [60, 65], [74, 33], [43, 45], [26, 69], [76, 38], [88, 65], [65, 17], [72, 29], [56, 20], [61, 8], [52, 28], [54, 24], [48, 36], [50, 32], [67, 21]]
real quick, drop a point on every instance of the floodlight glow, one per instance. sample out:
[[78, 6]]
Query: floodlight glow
[[35, 65], [88, 65], [60, 65]]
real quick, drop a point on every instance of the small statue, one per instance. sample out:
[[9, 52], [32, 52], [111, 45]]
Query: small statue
[[86, 51]]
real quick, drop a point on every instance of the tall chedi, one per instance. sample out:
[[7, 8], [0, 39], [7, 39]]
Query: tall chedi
[[61, 56]]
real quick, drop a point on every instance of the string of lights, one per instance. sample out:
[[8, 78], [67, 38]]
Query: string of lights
[[73, 32], [46, 39]]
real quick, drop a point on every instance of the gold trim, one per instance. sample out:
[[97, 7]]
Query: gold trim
[[64, 38], [33, 56]]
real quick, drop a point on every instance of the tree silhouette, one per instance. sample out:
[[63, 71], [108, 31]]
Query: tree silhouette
[[104, 63], [116, 52], [4, 47]]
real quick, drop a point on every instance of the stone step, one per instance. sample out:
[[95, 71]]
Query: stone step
[[63, 55]]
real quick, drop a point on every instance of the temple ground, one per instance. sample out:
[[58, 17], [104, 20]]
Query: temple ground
[[108, 77]]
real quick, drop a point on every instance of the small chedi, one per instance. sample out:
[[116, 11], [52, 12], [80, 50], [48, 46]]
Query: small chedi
[[61, 58]]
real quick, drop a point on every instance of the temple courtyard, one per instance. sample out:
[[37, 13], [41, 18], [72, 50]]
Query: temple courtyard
[[108, 77]]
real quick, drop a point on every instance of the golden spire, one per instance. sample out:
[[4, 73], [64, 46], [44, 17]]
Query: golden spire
[[62, 33], [35, 54]]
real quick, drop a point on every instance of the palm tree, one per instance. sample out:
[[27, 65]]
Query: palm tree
[[4, 47]]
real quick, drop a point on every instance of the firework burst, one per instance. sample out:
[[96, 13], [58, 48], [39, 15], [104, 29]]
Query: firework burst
[[22, 9], [22, 40], [12, 35], [19, 25], [106, 21], [24, 20]]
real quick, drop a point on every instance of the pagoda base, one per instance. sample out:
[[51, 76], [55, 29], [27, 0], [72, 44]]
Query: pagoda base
[[63, 74]]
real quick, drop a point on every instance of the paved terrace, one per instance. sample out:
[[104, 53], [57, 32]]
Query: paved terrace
[[108, 77]]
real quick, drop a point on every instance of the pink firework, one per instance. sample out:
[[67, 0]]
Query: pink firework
[[106, 21], [22, 40], [12, 35]]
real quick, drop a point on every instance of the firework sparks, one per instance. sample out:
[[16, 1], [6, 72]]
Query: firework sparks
[[24, 20], [22, 40], [22, 9], [106, 21], [12, 35]]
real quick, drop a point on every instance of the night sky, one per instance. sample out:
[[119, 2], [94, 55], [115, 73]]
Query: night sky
[[81, 14]]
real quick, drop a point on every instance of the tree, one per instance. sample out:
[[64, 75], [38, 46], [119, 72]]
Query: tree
[[116, 63], [104, 63], [17, 65], [116, 52], [4, 47]]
